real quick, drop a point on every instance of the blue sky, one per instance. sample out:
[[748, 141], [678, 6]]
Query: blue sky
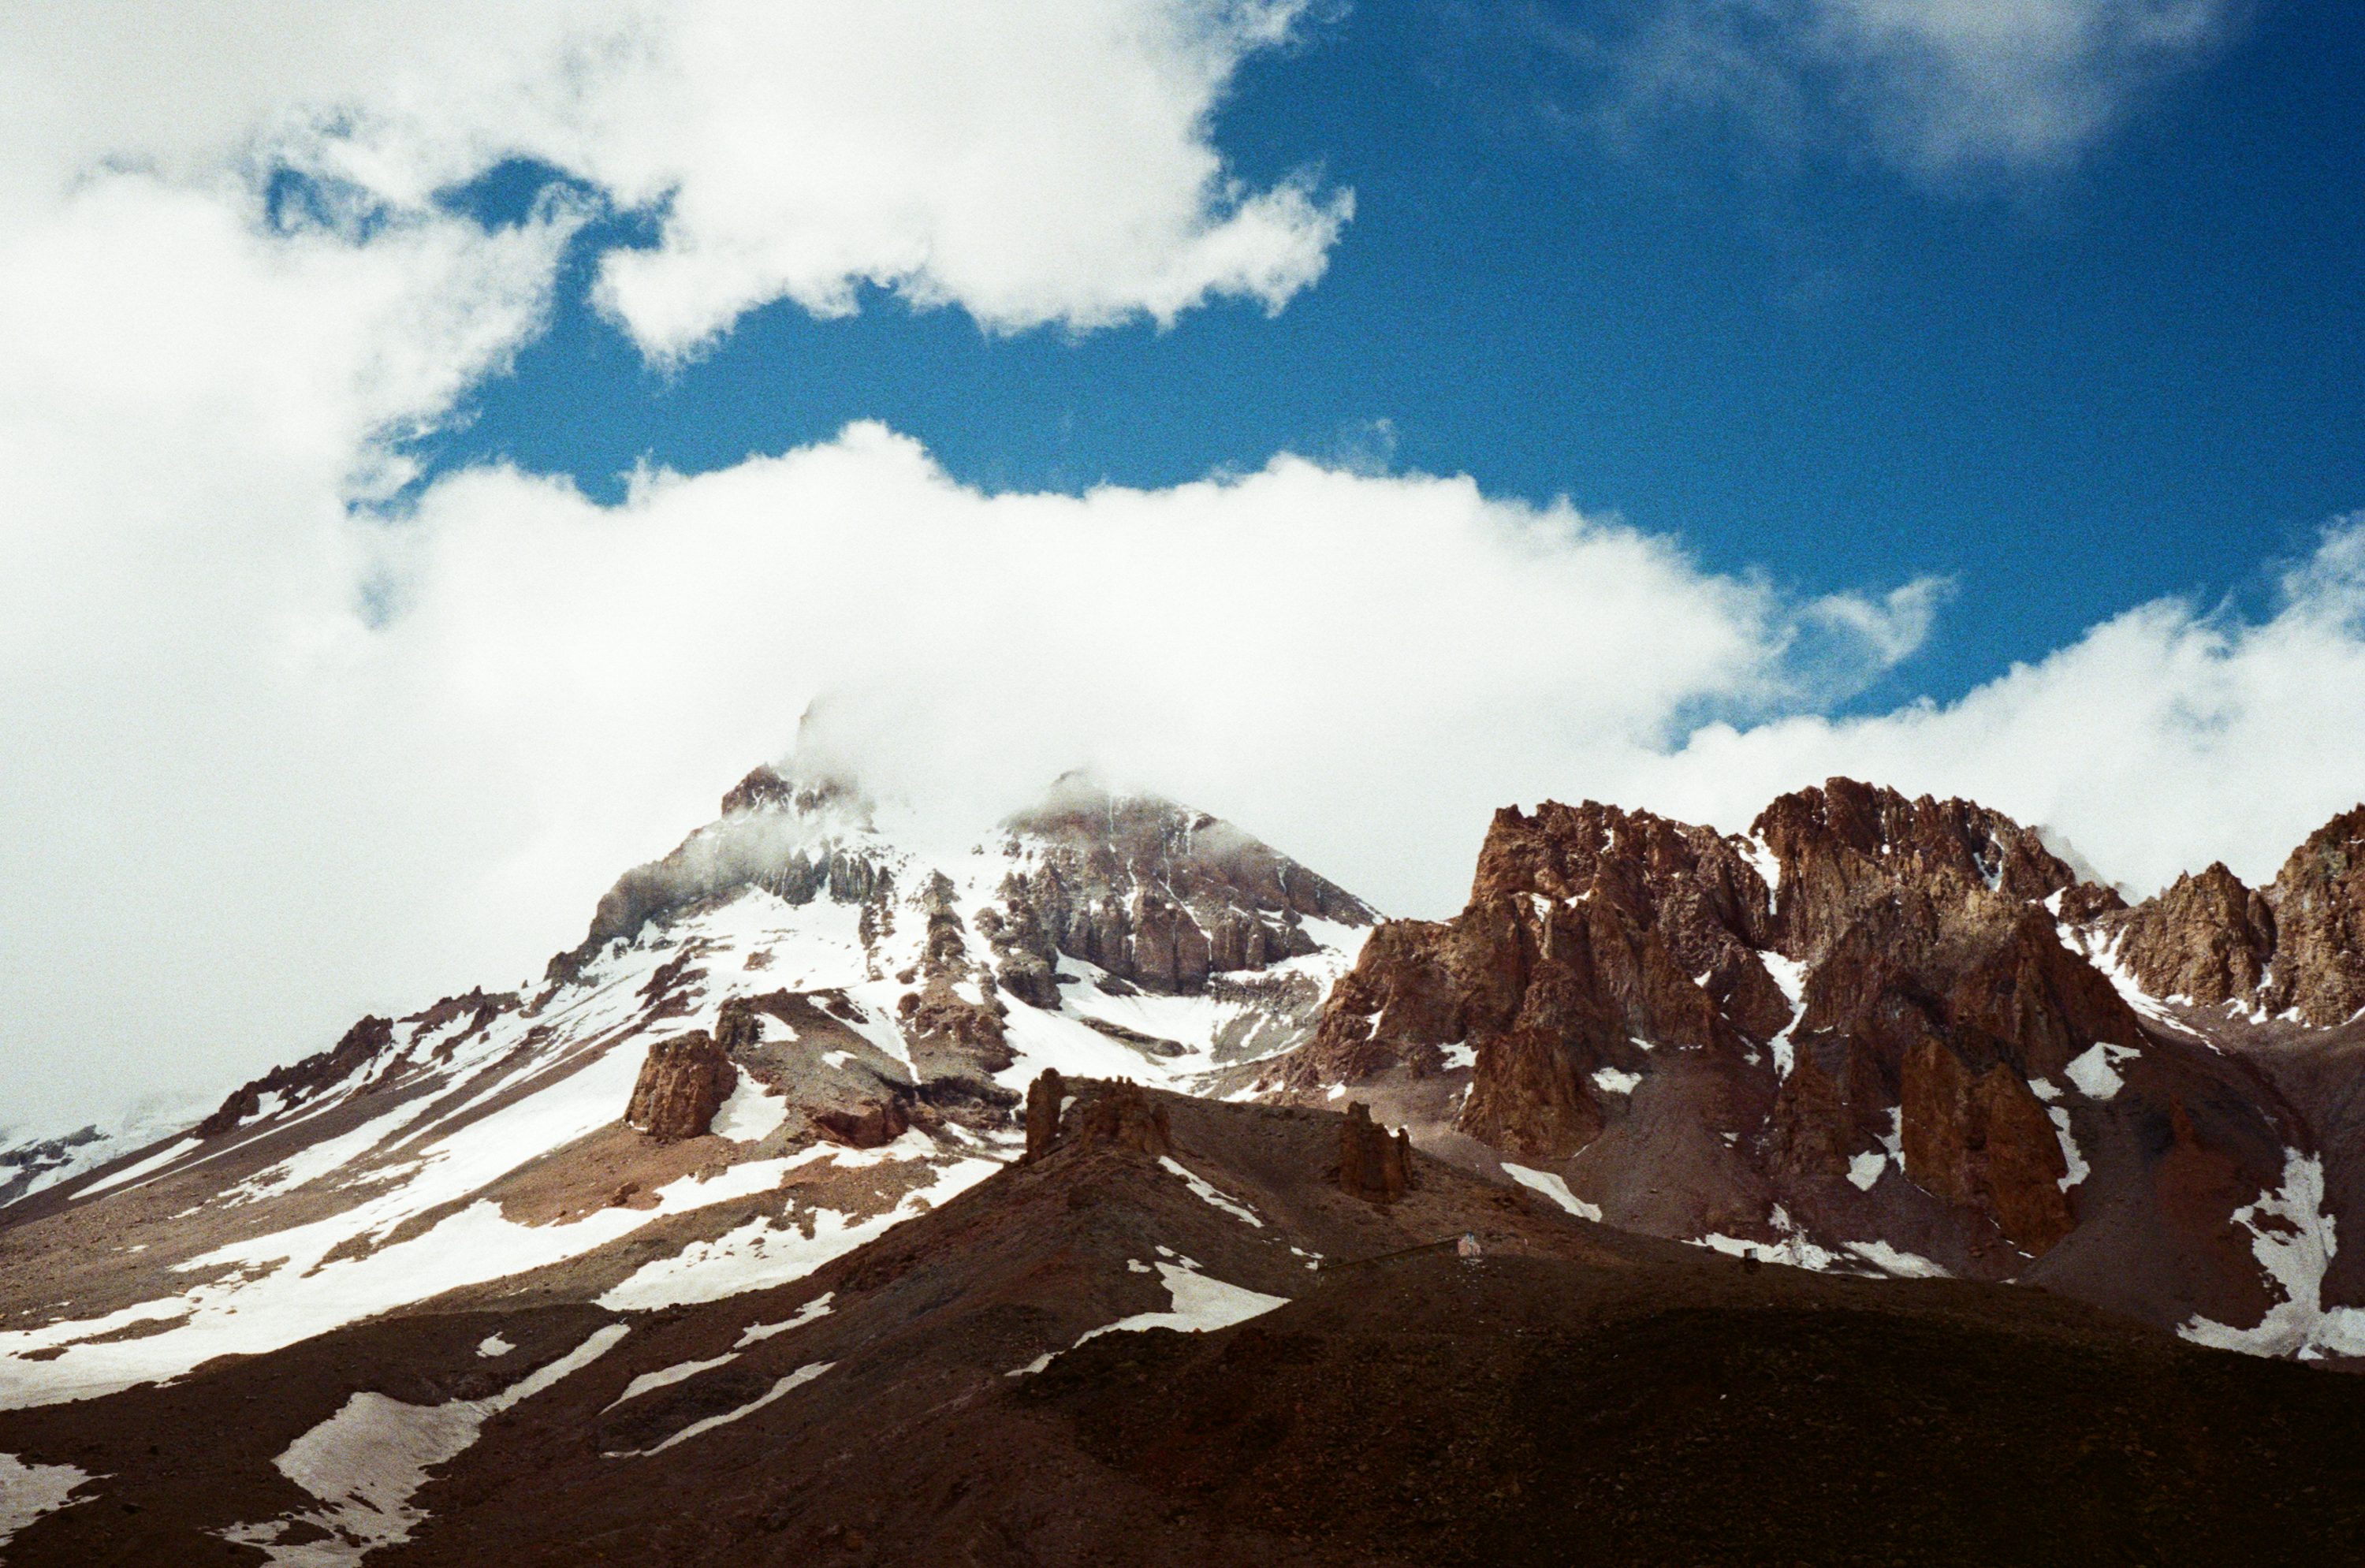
[[2070, 384]]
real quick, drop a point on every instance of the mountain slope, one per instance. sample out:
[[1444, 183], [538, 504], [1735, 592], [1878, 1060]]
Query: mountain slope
[[792, 1033], [1116, 1352]]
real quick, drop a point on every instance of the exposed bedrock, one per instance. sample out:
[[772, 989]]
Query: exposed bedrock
[[1156, 895], [2296, 946], [1104, 1113], [1608, 958], [1373, 1163], [683, 1082]]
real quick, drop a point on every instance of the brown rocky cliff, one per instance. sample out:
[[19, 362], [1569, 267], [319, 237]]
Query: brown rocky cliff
[[2207, 937], [1402, 1002], [1945, 1009], [1598, 939], [683, 1082], [2319, 904], [1846, 843], [1981, 1139], [2296, 945]]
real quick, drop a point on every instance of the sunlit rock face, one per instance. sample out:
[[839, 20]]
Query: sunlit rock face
[[1878, 1032]]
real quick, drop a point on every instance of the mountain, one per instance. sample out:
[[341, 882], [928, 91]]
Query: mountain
[[1901, 1036], [793, 1002], [856, 1191]]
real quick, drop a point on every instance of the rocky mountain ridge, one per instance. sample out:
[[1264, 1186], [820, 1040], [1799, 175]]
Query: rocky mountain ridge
[[982, 1098], [788, 1036], [1889, 1032]]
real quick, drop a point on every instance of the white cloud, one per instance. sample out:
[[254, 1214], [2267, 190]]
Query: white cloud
[[1359, 666], [1044, 162], [1936, 86], [2164, 738], [236, 803], [269, 762]]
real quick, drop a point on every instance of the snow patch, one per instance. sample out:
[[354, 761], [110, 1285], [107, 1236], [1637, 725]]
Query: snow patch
[[2294, 1241], [156, 1162], [28, 1491], [2095, 1073], [1609, 1080], [665, 1377], [764, 1252], [795, 1380], [1555, 1187], [1865, 1169], [366, 1463], [1752, 848], [1200, 1304], [1891, 1261], [492, 1347], [756, 1333], [751, 1114], [1207, 1192], [2071, 1155], [1791, 975]]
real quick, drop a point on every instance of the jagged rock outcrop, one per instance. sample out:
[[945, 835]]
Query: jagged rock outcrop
[[1610, 959], [1589, 931], [1045, 1097], [2207, 937], [299, 1080], [1157, 896], [1373, 1163], [1123, 1116], [1846, 844], [2295, 948], [1117, 1113], [2319, 904], [682, 1083]]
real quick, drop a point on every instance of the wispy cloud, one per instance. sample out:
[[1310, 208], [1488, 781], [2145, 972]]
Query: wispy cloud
[[1937, 87]]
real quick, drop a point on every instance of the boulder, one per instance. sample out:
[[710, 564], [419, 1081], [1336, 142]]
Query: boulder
[[683, 1082]]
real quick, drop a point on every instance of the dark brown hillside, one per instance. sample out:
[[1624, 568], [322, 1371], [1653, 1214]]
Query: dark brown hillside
[[1574, 1395]]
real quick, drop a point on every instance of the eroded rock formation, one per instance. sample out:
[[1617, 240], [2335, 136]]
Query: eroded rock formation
[[1373, 1163], [1156, 895], [683, 1081], [1045, 1098], [1123, 1116], [1868, 981], [2295, 948], [1105, 1115]]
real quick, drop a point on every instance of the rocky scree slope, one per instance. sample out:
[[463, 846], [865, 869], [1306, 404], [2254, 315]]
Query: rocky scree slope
[[1171, 1337], [1896, 1034]]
